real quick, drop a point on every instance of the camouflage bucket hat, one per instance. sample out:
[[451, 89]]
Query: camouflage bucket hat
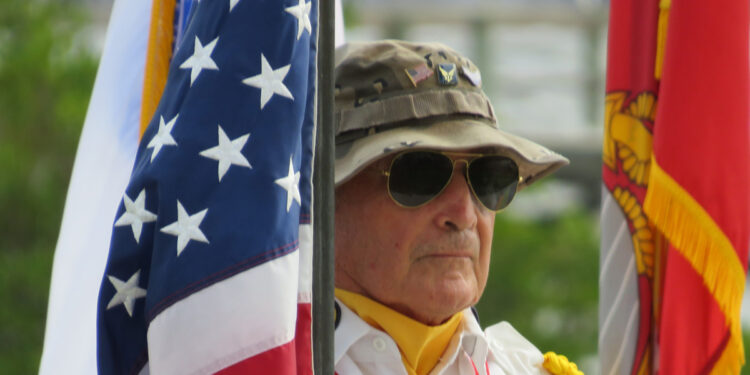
[[393, 95]]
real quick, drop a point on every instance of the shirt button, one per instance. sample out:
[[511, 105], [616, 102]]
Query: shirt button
[[379, 344]]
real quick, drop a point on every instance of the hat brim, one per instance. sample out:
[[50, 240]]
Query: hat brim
[[534, 161]]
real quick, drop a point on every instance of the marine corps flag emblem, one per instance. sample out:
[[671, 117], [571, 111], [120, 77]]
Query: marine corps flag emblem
[[676, 174]]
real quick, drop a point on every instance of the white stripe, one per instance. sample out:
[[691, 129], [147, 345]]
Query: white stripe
[[611, 251], [629, 274], [103, 163], [606, 202], [305, 263], [628, 328], [227, 322]]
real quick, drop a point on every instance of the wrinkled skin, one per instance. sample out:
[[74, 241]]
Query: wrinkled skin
[[428, 262]]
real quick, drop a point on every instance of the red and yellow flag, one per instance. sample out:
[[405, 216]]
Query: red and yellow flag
[[677, 177]]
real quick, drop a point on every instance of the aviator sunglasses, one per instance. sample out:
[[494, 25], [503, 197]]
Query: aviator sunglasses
[[417, 177]]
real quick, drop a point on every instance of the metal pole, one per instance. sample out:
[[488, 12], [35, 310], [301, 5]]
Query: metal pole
[[323, 205]]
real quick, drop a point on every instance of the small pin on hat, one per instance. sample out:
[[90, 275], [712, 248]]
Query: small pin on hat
[[474, 76], [418, 73], [447, 74]]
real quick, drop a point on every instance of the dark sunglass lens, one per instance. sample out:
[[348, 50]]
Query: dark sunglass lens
[[416, 177], [494, 180]]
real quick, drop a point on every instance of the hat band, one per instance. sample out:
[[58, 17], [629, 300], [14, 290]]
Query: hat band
[[414, 106]]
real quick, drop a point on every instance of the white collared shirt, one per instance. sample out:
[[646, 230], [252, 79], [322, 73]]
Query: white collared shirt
[[363, 350]]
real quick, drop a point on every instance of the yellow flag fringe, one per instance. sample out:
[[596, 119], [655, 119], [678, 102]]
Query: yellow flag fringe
[[158, 54], [661, 36], [733, 356], [692, 231]]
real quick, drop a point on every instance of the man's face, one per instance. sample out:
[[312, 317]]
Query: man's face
[[427, 262]]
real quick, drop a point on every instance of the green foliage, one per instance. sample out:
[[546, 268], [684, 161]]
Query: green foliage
[[352, 16], [24, 276], [46, 75], [46, 84], [544, 281]]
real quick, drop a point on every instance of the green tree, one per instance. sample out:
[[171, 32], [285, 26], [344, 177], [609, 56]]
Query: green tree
[[46, 77], [544, 281]]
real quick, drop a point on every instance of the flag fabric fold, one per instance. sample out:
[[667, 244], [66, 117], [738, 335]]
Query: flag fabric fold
[[105, 156], [141, 37], [700, 182], [209, 268], [677, 171], [629, 258]]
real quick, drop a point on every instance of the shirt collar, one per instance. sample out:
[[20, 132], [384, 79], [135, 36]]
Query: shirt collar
[[421, 345], [351, 328], [354, 327]]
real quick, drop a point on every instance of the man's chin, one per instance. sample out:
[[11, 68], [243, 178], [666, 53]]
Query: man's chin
[[451, 294]]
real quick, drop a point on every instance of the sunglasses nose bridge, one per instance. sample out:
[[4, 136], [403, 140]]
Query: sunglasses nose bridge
[[463, 171], [456, 162], [467, 179]]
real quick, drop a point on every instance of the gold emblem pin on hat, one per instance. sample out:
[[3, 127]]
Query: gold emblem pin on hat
[[447, 74]]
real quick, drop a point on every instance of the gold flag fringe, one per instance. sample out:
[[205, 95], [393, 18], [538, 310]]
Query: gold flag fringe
[[158, 54], [692, 231], [733, 357], [661, 36]]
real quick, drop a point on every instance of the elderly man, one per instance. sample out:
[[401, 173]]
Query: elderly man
[[421, 171]]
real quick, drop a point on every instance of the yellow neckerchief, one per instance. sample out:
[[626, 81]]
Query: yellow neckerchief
[[421, 345]]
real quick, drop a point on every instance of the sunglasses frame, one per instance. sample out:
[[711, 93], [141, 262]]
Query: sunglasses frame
[[466, 157]]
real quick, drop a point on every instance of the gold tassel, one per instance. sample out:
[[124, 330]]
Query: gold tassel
[[661, 36], [695, 235], [733, 357]]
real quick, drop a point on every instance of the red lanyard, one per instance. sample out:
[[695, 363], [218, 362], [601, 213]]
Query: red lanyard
[[476, 372]]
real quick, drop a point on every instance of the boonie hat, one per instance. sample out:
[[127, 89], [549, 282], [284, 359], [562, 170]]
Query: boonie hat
[[393, 95]]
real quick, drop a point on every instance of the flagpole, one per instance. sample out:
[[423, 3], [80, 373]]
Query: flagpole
[[323, 206]]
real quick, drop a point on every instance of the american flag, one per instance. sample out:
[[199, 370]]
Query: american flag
[[209, 269]]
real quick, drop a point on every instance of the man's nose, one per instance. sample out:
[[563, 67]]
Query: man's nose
[[457, 206]]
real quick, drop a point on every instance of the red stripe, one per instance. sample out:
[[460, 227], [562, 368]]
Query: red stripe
[[476, 372], [303, 339], [292, 358], [281, 360]]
